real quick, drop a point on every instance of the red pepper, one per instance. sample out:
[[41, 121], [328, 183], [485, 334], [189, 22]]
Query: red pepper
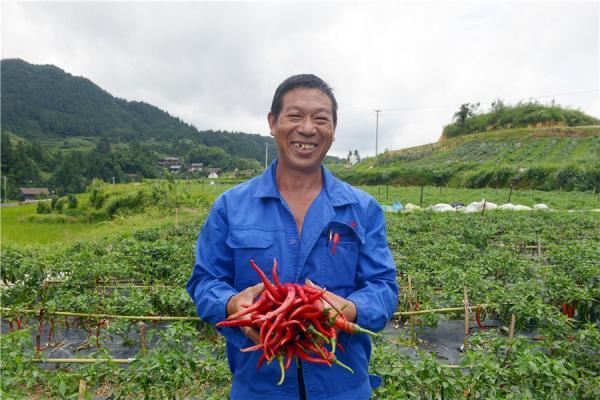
[[10, 326], [290, 355], [336, 239], [303, 355], [252, 348], [278, 284], [291, 295], [261, 360], [237, 322], [302, 309], [18, 324], [571, 311], [478, 319], [302, 293], [268, 285], [564, 308], [262, 299]]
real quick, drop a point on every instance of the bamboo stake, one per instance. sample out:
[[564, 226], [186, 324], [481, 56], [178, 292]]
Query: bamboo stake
[[448, 310], [466, 303], [539, 248], [413, 335], [82, 389], [107, 316], [83, 360]]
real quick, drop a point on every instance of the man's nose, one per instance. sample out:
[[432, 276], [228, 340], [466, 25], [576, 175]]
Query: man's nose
[[307, 127]]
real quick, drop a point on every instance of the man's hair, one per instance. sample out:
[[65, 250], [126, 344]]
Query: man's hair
[[308, 81]]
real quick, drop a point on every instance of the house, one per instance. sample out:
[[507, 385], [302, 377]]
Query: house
[[195, 167], [32, 194], [174, 168], [169, 161], [213, 173]]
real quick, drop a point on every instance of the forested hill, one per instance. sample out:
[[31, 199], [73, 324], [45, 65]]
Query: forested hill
[[42, 103]]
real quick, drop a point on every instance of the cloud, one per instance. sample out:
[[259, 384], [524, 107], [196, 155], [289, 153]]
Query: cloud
[[216, 65]]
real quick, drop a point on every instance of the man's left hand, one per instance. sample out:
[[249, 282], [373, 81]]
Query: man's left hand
[[347, 307]]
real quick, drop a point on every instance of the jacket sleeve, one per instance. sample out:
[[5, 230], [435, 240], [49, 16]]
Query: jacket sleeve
[[377, 296], [211, 283]]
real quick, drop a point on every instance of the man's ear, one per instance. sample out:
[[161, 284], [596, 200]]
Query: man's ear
[[272, 122]]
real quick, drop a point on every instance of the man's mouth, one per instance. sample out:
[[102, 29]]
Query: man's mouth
[[304, 146]]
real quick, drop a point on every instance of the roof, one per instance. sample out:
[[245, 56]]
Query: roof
[[34, 191]]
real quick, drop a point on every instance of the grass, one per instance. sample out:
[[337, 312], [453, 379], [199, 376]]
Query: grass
[[20, 227]]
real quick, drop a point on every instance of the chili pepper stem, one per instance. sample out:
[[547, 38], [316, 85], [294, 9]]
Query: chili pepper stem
[[282, 367], [341, 364]]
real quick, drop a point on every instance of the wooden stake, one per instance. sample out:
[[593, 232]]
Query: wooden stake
[[143, 344], [82, 389], [511, 329], [511, 332], [421, 200], [176, 217], [466, 303], [483, 209], [539, 248], [512, 187]]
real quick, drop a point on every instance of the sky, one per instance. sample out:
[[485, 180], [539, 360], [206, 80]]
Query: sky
[[216, 64]]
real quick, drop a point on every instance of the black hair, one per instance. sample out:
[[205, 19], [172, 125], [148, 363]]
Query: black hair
[[308, 81]]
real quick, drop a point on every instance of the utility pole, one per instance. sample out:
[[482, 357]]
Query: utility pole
[[377, 132], [266, 154], [4, 191]]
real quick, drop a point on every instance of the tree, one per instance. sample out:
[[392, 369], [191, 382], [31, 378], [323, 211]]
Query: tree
[[466, 111]]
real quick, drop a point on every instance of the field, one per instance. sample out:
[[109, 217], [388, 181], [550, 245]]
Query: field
[[538, 269]]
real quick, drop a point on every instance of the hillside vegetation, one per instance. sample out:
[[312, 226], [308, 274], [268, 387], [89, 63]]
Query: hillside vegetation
[[565, 158], [62, 131], [501, 116]]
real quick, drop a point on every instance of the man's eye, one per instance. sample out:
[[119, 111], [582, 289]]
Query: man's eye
[[295, 117]]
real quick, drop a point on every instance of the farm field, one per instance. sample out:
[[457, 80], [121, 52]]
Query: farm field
[[540, 267], [21, 225]]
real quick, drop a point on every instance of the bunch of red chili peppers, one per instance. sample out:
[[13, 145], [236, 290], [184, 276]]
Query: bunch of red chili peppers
[[294, 321]]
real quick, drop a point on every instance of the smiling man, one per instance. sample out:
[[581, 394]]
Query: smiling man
[[290, 213]]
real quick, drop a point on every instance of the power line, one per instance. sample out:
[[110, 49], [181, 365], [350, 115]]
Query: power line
[[489, 102]]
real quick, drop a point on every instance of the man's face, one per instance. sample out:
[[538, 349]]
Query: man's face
[[304, 130]]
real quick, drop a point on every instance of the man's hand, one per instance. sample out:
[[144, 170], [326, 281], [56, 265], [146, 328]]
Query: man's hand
[[245, 298], [347, 307]]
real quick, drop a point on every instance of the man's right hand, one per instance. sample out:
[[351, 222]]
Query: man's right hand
[[245, 297]]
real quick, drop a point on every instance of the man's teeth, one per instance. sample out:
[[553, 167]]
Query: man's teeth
[[305, 146]]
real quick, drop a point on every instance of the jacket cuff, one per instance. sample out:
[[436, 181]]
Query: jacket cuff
[[367, 316], [232, 334]]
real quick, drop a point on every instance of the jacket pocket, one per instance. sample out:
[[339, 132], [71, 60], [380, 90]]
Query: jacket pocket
[[250, 244], [338, 266]]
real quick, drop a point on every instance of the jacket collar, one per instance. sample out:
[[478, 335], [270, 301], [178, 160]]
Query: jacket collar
[[338, 192]]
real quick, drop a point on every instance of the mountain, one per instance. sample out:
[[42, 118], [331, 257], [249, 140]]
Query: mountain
[[540, 158], [48, 106]]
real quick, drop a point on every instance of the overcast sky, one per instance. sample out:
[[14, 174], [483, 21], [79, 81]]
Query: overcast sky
[[216, 65]]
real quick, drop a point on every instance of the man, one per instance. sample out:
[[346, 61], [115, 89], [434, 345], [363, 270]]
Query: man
[[290, 213]]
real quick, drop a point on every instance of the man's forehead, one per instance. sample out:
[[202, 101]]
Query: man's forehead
[[301, 98]]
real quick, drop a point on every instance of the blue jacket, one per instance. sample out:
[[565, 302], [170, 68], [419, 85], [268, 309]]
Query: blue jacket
[[252, 221]]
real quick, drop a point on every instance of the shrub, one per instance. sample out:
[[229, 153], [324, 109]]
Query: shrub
[[43, 207]]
